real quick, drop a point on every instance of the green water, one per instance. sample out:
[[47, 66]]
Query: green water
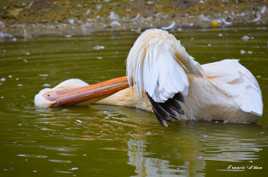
[[116, 141]]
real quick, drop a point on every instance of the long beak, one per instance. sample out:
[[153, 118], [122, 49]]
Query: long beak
[[92, 92]]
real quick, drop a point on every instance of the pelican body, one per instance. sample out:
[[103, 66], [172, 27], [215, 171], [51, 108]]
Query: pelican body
[[163, 78]]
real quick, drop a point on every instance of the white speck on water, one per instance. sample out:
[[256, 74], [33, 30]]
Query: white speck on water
[[27, 53], [250, 52], [19, 85], [19, 124], [242, 52], [209, 45], [148, 133], [258, 76], [200, 157], [99, 58], [98, 47], [43, 75], [2, 97], [220, 34], [21, 155], [79, 121], [84, 155], [5, 169], [10, 76], [3, 79], [205, 136], [245, 38], [74, 168], [25, 61], [46, 85], [68, 36], [34, 171], [17, 79]]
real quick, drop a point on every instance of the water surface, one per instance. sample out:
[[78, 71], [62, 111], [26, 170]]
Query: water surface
[[116, 141]]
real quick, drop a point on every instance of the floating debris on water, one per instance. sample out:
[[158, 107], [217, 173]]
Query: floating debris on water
[[220, 34], [27, 53], [242, 52], [34, 171], [99, 58], [250, 52], [68, 36], [43, 75], [245, 38], [17, 79], [78, 121], [148, 133], [3, 79], [46, 85], [74, 168], [205, 136], [19, 85], [10, 76], [200, 157], [98, 47], [209, 45], [25, 61]]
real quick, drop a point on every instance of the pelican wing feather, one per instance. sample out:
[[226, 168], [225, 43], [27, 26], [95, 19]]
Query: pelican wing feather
[[237, 82], [157, 66]]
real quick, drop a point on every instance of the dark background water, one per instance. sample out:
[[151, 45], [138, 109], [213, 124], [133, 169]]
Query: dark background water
[[115, 141]]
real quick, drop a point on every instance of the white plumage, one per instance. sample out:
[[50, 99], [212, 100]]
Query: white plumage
[[160, 66], [67, 85], [169, 82]]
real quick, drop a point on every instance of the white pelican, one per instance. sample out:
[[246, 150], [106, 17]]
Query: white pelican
[[165, 79]]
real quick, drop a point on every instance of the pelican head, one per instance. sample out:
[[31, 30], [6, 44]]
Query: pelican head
[[47, 96]]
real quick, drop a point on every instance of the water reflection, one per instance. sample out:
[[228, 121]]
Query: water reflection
[[191, 149]]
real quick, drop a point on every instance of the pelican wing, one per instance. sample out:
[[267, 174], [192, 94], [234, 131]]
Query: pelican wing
[[157, 65], [237, 82]]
